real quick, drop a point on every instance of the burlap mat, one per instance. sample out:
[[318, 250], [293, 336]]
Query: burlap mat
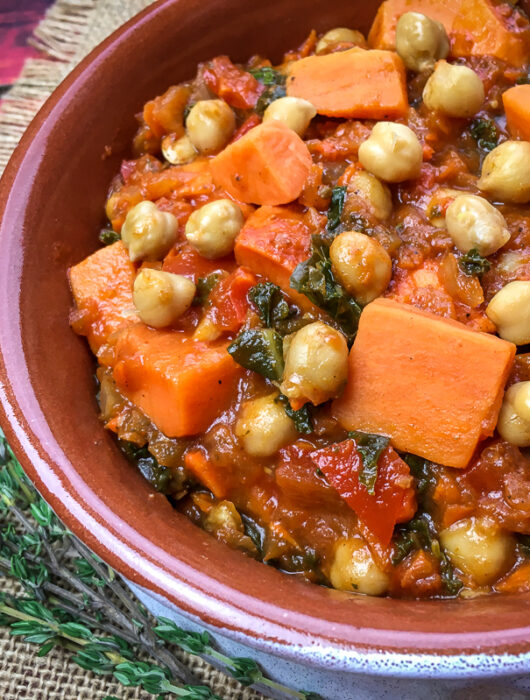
[[70, 30]]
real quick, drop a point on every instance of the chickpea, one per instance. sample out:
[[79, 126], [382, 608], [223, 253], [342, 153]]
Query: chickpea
[[209, 125], [392, 152], [294, 112], [454, 90], [354, 569], [514, 417], [509, 310], [479, 548], [316, 364], [506, 172], [161, 297], [420, 41], [472, 222], [264, 427], [178, 151], [212, 229], [376, 194], [340, 35], [361, 265], [147, 232]]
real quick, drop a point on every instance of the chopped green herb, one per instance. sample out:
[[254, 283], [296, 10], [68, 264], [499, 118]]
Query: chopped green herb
[[315, 279], [107, 236], [268, 76], [338, 197], [205, 286], [270, 303], [302, 418], [485, 133], [260, 350], [472, 263], [370, 448]]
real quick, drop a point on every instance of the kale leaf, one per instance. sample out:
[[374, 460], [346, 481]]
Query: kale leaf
[[315, 279], [272, 93], [270, 303], [472, 263], [421, 470], [274, 82], [204, 287], [485, 133], [370, 447], [302, 418], [260, 350], [336, 207], [108, 236], [420, 533], [158, 476]]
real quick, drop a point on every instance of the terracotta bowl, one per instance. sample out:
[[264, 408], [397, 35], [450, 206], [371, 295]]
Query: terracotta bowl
[[52, 197]]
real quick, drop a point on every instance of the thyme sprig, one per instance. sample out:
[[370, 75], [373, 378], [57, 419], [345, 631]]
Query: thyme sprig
[[75, 601]]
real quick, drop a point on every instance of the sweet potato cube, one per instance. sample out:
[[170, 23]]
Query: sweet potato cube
[[267, 165], [180, 384], [354, 84], [516, 102], [383, 32], [272, 243], [429, 383], [102, 287], [490, 28]]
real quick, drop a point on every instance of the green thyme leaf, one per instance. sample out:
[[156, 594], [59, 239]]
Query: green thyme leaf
[[472, 263], [370, 447], [260, 350]]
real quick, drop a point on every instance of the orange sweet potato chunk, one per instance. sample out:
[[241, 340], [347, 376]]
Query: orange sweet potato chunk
[[354, 84], [491, 28], [267, 165], [383, 32], [429, 383], [102, 287], [272, 243], [180, 384], [516, 102]]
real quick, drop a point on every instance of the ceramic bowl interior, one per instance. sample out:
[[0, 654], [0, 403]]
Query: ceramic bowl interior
[[52, 198]]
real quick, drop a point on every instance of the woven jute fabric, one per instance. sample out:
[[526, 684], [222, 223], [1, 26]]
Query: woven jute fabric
[[70, 30]]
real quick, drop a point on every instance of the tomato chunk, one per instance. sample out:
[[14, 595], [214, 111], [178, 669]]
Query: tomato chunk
[[230, 304], [394, 498], [235, 86]]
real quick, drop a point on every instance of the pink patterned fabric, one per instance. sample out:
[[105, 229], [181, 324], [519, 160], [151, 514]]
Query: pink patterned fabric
[[17, 21]]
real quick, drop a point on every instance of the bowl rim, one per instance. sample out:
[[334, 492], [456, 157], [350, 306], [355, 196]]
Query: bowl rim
[[299, 638]]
